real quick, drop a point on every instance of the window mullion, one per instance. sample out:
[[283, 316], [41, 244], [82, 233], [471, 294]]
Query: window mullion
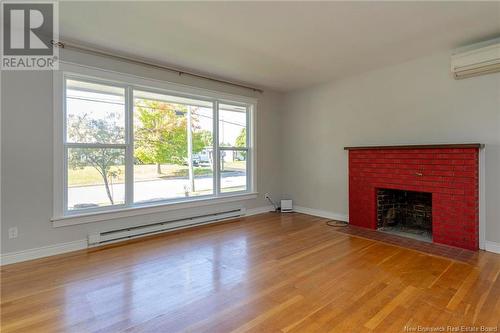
[[129, 150], [216, 154], [65, 178], [249, 155], [64, 150], [234, 148], [95, 145]]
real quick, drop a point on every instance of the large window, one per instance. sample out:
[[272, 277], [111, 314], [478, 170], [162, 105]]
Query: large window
[[129, 146]]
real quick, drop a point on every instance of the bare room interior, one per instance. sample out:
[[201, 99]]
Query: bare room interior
[[253, 166]]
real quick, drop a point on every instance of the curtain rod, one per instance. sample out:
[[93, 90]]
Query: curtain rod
[[65, 45]]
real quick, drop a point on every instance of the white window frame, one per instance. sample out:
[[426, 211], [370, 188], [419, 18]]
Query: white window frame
[[62, 216]]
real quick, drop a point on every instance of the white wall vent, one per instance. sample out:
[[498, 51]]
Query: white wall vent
[[150, 229], [479, 61]]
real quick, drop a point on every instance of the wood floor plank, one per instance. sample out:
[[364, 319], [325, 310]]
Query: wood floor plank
[[267, 273], [389, 307]]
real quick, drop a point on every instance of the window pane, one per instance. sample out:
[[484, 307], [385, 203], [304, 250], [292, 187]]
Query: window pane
[[164, 148], [96, 177], [233, 170], [95, 113], [232, 126]]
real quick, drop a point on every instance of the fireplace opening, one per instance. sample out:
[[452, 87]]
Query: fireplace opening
[[405, 213]]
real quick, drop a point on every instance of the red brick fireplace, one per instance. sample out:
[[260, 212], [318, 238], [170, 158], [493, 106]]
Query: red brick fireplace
[[450, 173]]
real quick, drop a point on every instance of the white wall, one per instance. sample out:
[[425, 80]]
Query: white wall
[[27, 154], [415, 102]]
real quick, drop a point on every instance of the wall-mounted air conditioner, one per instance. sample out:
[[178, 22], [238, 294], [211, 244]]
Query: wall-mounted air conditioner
[[479, 61]]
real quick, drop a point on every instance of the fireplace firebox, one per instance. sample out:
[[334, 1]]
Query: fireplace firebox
[[405, 213]]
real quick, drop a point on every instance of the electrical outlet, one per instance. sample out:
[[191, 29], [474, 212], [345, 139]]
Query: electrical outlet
[[13, 232], [266, 196]]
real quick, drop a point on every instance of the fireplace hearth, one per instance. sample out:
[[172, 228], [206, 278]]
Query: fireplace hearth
[[405, 213]]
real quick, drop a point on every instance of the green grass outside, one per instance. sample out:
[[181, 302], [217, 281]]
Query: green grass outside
[[90, 176]]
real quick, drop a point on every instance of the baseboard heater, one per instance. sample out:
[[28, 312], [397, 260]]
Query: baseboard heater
[[156, 228]]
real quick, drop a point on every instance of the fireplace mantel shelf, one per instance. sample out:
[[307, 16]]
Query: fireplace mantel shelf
[[434, 146]]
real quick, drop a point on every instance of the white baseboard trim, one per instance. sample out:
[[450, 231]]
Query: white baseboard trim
[[259, 210], [44, 251], [321, 213], [51, 250], [492, 246]]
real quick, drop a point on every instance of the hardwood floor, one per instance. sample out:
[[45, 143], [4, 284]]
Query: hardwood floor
[[266, 273]]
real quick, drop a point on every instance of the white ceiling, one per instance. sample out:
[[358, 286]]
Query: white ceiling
[[279, 45]]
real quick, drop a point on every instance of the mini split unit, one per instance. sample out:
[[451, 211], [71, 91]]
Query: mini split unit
[[478, 61]]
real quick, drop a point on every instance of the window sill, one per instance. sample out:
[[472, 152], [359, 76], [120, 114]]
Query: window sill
[[69, 220]]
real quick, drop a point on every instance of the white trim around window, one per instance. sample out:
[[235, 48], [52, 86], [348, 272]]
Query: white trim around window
[[130, 83]]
